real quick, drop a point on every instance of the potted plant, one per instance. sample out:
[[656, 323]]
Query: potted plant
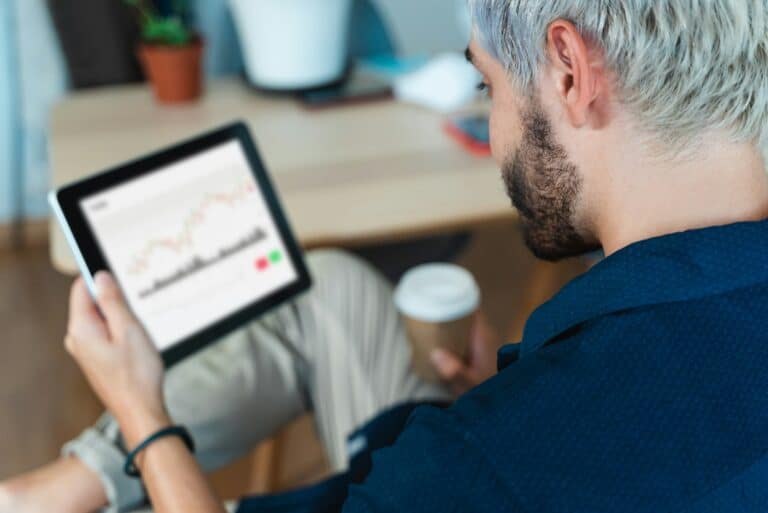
[[170, 52]]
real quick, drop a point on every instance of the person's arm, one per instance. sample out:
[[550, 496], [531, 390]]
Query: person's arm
[[64, 486], [432, 466], [126, 372], [174, 480]]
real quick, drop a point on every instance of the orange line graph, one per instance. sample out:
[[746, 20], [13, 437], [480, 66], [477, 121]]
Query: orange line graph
[[184, 238]]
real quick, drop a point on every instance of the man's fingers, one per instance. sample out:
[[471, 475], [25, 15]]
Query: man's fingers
[[460, 375], [80, 303], [448, 365], [84, 318], [112, 303]]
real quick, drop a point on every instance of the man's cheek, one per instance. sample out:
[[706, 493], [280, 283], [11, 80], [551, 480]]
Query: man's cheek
[[505, 133], [498, 144]]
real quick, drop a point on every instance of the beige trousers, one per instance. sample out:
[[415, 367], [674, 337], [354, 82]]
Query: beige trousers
[[340, 351]]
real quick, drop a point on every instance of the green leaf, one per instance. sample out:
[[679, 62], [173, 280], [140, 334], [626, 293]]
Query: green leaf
[[158, 30]]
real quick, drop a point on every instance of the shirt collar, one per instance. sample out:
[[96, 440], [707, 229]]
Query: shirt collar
[[676, 267]]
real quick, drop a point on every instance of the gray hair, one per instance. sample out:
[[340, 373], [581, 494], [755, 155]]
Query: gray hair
[[683, 67]]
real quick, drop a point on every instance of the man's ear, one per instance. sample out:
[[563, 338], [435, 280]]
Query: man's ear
[[578, 75]]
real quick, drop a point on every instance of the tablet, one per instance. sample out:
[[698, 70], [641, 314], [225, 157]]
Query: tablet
[[194, 235]]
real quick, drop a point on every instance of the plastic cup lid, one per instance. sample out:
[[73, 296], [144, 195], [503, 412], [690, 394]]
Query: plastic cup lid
[[437, 293]]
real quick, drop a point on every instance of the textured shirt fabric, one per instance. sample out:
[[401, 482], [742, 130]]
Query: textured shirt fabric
[[641, 387]]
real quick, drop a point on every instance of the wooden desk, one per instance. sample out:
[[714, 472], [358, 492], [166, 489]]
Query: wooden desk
[[350, 175]]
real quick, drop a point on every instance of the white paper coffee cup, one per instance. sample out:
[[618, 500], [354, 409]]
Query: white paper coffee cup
[[437, 303]]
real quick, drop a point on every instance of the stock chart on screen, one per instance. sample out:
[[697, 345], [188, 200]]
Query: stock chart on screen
[[191, 243]]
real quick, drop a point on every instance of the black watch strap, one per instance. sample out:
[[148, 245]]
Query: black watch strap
[[180, 431]]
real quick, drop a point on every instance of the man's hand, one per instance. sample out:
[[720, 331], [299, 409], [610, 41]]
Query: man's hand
[[481, 358], [126, 372], [117, 357]]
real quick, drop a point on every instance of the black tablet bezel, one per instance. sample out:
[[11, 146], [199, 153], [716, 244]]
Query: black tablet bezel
[[69, 197]]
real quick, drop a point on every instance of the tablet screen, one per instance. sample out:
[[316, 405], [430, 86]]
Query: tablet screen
[[191, 242]]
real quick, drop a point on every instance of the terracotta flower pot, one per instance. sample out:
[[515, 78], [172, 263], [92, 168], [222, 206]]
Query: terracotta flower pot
[[176, 73]]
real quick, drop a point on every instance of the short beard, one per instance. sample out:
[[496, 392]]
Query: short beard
[[545, 187]]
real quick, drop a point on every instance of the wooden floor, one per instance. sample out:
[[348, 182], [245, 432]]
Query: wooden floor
[[44, 401]]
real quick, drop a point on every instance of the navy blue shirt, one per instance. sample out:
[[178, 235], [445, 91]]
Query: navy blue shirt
[[641, 387]]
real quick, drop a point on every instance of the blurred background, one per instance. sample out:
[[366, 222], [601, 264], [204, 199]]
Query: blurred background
[[52, 47], [368, 119]]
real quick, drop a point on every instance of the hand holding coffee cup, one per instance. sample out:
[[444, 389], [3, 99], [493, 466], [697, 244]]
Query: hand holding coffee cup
[[438, 303]]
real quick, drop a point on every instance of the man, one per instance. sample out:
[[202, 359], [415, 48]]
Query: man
[[638, 127]]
